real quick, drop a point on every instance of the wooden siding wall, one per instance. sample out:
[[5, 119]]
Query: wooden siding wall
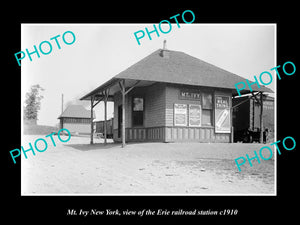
[[158, 116], [154, 116], [140, 134], [173, 134], [172, 96], [155, 106], [194, 134], [76, 120], [145, 134], [78, 127]]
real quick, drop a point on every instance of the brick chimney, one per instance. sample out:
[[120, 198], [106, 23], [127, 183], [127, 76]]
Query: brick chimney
[[164, 52], [165, 45]]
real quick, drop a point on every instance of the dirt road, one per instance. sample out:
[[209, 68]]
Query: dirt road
[[76, 167]]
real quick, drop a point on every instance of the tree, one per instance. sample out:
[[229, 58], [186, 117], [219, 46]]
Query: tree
[[33, 102]]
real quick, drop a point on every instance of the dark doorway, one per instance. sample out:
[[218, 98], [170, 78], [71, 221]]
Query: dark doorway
[[137, 111], [120, 121]]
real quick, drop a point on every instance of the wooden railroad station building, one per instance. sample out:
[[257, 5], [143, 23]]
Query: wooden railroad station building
[[170, 96]]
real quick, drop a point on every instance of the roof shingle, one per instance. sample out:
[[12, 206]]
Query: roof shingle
[[76, 111], [178, 68], [182, 68]]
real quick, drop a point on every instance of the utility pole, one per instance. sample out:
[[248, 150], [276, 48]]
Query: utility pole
[[62, 110], [62, 103]]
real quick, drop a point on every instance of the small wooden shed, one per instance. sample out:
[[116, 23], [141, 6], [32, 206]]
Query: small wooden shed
[[76, 119], [170, 96]]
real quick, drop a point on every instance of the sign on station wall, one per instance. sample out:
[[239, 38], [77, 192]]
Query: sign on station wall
[[194, 115], [180, 114], [222, 114]]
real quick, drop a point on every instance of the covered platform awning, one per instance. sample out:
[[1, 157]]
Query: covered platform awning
[[106, 93], [113, 86]]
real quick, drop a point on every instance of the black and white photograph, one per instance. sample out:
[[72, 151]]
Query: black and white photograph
[[109, 111], [149, 114]]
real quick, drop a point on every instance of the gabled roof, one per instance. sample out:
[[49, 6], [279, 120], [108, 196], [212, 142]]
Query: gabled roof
[[76, 111], [179, 68]]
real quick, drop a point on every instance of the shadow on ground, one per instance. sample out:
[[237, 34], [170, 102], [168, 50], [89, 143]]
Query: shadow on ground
[[97, 146]]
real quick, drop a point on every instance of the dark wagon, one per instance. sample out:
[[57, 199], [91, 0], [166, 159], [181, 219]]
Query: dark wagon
[[100, 128], [246, 119]]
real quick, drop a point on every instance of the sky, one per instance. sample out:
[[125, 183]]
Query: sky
[[101, 51]]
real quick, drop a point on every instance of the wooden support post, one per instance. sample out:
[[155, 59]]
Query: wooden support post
[[232, 135], [122, 87], [261, 118], [123, 115], [253, 113], [105, 115], [124, 93], [231, 123], [92, 125]]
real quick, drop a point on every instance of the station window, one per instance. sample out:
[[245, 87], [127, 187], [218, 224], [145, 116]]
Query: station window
[[207, 109], [206, 117], [137, 111], [207, 101]]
